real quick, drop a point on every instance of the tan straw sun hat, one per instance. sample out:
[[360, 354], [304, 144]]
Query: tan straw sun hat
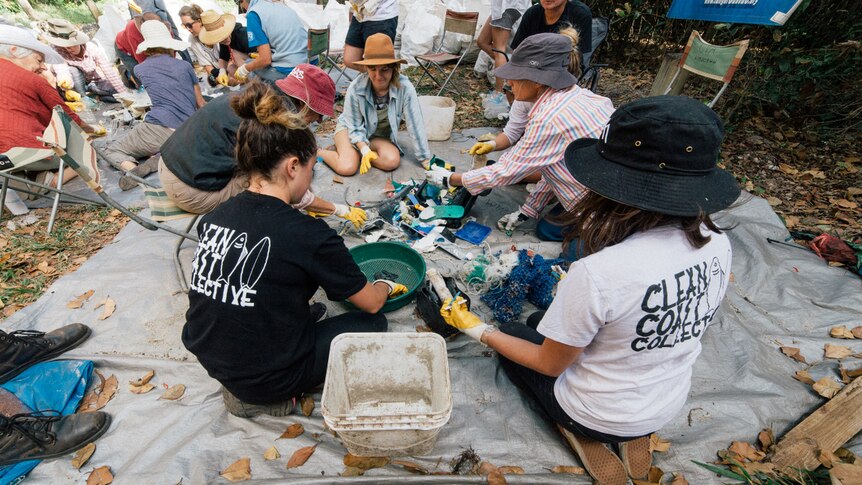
[[379, 51], [215, 27], [62, 33]]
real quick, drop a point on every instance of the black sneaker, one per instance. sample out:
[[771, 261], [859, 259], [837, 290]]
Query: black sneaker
[[23, 348], [242, 409], [318, 312], [41, 435]]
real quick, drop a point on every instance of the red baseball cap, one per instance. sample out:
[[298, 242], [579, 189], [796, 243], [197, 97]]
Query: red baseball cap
[[311, 85]]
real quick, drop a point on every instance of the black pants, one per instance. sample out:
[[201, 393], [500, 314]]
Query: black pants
[[541, 387], [326, 330]]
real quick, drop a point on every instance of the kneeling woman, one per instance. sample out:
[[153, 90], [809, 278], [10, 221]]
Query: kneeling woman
[[366, 134], [611, 360], [258, 263]]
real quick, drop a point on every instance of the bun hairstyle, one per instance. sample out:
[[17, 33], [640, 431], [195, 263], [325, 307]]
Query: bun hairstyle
[[269, 131], [575, 55], [194, 11]]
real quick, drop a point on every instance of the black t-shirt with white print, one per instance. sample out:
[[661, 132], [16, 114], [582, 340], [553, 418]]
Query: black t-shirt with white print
[[258, 263]]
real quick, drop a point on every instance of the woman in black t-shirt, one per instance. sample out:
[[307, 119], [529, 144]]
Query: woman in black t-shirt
[[258, 263]]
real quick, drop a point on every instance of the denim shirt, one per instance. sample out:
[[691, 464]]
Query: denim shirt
[[360, 114]]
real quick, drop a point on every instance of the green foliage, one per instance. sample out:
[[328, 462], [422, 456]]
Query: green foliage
[[816, 477], [806, 71]]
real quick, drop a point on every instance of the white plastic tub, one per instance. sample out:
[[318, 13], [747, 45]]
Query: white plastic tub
[[387, 394], [439, 115]]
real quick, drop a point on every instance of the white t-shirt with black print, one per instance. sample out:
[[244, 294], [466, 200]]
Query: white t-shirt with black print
[[639, 309]]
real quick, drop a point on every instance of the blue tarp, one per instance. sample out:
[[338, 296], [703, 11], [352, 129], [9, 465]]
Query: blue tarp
[[766, 12], [50, 386]]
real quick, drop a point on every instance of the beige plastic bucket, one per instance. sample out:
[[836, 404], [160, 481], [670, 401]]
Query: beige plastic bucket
[[439, 115]]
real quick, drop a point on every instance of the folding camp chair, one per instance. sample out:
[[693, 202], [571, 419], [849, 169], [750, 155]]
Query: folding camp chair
[[710, 61], [69, 143], [318, 47], [19, 159], [455, 23], [591, 70]]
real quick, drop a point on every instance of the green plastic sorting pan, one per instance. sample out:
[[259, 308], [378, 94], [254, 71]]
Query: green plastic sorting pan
[[401, 263]]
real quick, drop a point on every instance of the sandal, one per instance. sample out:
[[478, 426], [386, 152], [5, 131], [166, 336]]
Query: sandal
[[601, 463], [636, 457]]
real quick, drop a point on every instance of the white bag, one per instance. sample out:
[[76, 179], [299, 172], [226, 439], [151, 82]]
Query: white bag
[[423, 26], [336, 16]]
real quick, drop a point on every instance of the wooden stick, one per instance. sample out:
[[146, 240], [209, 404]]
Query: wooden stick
[[439, 285], [826, 429]]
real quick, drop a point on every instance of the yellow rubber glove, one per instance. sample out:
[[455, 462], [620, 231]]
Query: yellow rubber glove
[[254, 55], [99, 130], [72, 95], [222, 78], [241, 73], [368, 156], [65, 84], [395, 289], [482, 148], [457, 315], [75, 105], [353, 214], [134, 6]]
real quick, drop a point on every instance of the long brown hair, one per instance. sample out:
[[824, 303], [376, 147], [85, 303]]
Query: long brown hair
[[598, 222], [269, 131]]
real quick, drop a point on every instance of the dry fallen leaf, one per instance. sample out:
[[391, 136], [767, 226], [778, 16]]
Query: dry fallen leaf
[[484, 468], [307, 405], [845, 378], [803, 376], [141, 389], [365, 463], [300, 456], [853, 373], [337, 179], [678, 479], [787, 169], [240, 470], [292, 431], [774, 201], [836, 351], [841, 332], [108, 392], [174, 392], [841, 203], [143, 380], [794, 354], [351, 471], [271, 454], [857, 332], [655, 474], [109, 307], [511, 470], [766, 438], [83, 455], [100, 476], [79, 300], [826, 387], [411, 467], [746, 451], [658, 444], [574, 470], [496, 478]]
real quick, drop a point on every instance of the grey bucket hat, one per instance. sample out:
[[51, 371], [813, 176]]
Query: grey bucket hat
[[541, 58]]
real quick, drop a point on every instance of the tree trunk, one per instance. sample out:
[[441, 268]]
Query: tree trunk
[[28, 9]]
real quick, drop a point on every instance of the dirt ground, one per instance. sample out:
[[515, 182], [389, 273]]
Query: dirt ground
[[813, 183]]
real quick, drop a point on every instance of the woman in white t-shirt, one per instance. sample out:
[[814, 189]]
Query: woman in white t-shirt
[[611, 360]]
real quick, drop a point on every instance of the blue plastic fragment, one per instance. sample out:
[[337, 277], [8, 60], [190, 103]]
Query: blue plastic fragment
[[473, 232]]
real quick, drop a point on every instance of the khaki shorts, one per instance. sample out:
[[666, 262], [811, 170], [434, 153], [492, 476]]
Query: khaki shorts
[[195, 200]]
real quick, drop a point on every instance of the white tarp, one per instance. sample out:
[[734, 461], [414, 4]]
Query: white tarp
[[741, 383]]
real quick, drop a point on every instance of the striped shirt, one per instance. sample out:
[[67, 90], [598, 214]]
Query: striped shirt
[[93, 65], [557, 119]]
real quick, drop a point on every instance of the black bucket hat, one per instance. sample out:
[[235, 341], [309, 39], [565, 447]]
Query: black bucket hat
[[541, 58], [657, 154]]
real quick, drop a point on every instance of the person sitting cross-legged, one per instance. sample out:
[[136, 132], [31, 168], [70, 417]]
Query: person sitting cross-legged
[[610, 362], [259, 262], [366, 134]]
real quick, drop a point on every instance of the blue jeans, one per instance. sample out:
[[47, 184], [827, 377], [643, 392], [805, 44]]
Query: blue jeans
[[551, 231]]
